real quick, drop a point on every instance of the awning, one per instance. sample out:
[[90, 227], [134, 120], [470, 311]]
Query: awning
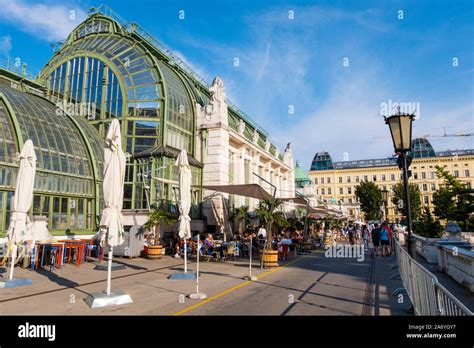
[[295, 200], [246, 190], [166, 151]]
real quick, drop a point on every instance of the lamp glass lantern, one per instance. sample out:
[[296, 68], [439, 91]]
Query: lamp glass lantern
[[401, 128]]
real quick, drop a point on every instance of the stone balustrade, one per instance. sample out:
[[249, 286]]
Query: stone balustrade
[[458, 263], [428, 247]]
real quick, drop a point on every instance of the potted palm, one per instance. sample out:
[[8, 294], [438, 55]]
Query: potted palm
[[156, 217], [269, 212]]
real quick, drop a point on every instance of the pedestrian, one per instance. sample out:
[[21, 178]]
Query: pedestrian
[[351, 233], [365, 236], [376, 238], [384, 241]]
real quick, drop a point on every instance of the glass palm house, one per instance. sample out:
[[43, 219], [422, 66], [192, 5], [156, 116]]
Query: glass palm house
[[105, 69]]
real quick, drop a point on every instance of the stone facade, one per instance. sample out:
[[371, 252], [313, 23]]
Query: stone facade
[[231, 158]]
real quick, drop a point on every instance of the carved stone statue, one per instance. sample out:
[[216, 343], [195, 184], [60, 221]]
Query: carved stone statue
[[216, 110], [267, 145], [241, 126], [255, 136], [217, 90]]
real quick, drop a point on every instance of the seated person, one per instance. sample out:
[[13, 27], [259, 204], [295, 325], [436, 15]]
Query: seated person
[[211, 246]]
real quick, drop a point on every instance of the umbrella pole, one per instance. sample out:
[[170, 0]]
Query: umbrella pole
[[185, 257], [250, 260], [12, 261], [109, 270], [197, 267]]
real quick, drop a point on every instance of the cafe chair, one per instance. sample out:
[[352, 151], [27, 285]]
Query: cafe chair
[[212, 254], [52, 254]]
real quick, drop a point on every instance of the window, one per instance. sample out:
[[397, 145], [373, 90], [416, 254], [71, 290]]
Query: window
[[456, 173], [349, 190], [366, 178], [384, 187], [466, 173], [383, 177], [426, 200], [433, 187], [322, 180], [425, 187], [374, 177], [340, 179], [322, 191], [328, 180], [468, 185], [432, 175], [423, 175], [392, 177], [357, 178], [329, 191], [348, 179], [415, 176], [317, 191], [341, 190], [350, 200], [316, 181]]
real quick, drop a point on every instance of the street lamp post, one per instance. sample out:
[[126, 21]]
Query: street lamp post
[[385, 203], [400, 125]]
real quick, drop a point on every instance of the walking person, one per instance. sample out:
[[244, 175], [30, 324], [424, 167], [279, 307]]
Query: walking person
[[376, 239], [384, 241], [352, 232], [365, 236]]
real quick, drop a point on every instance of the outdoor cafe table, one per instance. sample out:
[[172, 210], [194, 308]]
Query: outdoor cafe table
[[41, 245]]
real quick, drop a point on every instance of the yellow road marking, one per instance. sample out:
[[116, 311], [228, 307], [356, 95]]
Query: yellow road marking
[[199, 304]]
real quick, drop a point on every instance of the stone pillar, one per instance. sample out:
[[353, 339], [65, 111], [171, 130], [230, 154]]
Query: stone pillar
[[213, 117]]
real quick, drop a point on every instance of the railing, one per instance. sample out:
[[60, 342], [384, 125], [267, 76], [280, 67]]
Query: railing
[[17, 68], [427, 295]]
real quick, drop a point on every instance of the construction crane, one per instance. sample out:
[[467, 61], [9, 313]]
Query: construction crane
[[445, 135]]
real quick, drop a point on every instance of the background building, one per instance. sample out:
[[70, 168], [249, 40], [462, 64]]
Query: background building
[[336, 181], [108, 68]]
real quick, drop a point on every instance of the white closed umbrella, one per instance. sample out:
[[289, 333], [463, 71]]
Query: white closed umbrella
[[21, 202], [114, 177], [185, 178]]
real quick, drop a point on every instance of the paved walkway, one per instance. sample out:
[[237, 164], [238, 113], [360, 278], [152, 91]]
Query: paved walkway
[[308, 285]]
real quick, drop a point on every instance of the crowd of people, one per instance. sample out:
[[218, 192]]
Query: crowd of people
[[288, 240], [381, 236]]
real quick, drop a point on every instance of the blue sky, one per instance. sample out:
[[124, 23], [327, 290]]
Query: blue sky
[[334, 63]]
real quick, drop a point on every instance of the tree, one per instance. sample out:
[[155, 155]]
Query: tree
[[427, 226], [453, 201], [269, 212], [155, 218], [398, 199], [241, 215], [370, 199]]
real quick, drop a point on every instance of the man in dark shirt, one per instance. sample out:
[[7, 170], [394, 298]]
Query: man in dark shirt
[[376, 238]]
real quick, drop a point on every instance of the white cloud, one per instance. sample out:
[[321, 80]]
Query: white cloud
[[45, 21], [5, 45]]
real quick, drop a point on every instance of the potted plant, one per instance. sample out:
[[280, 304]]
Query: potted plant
[[269, 212], [156, 217]]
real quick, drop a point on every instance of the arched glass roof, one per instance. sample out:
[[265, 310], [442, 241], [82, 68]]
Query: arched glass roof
[[59, 145]]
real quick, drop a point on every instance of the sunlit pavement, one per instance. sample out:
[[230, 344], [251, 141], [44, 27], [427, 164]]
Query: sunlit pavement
[[306, 285]]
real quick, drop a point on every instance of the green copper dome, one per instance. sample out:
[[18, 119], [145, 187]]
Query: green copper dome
[[301, 177]]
